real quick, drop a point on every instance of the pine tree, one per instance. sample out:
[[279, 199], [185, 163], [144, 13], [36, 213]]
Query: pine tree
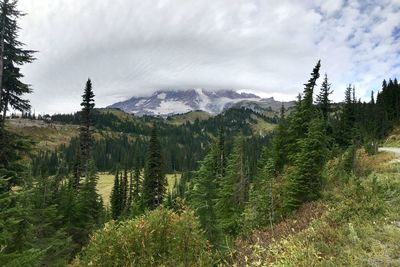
[[89, 210], [204, 194], [154, 182], [86, 129], [261, 210], [305, 180], [221, 157], [12, 56], [233, 191], [115, 198], [279, 142], [346, 128], [323, 102], [303, 113], [124, 191]]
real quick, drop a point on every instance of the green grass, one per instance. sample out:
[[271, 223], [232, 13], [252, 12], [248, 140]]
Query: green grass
[[106, 182]]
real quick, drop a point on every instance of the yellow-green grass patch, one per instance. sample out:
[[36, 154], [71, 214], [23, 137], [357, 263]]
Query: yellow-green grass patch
[[106, 182]]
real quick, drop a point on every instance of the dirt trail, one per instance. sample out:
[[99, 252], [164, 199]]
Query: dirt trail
[[395, 150]]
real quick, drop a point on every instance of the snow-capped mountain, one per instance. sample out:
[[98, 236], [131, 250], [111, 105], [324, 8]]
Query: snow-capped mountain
[[165, 102]]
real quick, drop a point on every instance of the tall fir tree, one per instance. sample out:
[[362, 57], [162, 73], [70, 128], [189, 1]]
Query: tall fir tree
[[323, 102], [124, 191], [12, 56], [115, 197], [204, 194], [233, 190], [221, 153], [305, 179], [86, 129], [345, 129], [154, 181], [303, 113], [89, 212], [261, 209]]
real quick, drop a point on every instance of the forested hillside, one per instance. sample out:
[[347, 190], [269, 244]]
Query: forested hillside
[[306, 187]]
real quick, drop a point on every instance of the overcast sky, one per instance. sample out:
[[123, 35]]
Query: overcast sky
[[134, 47]]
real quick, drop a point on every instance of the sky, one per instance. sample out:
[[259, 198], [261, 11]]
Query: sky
[[135, 47]]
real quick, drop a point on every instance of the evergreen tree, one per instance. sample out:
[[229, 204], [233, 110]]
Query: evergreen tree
[[261, 210], [279, 143], [322, 100], [115, 198], [233, 191], [124, 190], [154, 182], [305, 179], [346, 129], [86, 129], [303, 113], [204, 194], [221, 157], [89, 209], [12, 56]]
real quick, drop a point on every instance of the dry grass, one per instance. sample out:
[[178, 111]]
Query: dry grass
[[365, 164], [47, 136], [264, 237], [394, 138], [262, 127], [189, 117], [104, 187], [172, 179]]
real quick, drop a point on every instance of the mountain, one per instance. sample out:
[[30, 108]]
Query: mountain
[[165, 103]]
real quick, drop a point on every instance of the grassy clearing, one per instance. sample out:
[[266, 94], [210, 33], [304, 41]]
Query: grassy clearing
[[189, 117], [106, 182], [262, 127], [359, 224], [118, 113], [171, 180], [47, 136]]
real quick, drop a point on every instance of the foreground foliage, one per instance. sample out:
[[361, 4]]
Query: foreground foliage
[[158, 238]]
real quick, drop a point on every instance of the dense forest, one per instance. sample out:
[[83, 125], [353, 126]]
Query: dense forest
[[233, 181]]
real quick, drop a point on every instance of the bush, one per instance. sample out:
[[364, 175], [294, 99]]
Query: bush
[[158, 238]]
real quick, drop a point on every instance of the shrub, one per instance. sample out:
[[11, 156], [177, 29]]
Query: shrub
[[158, 238]]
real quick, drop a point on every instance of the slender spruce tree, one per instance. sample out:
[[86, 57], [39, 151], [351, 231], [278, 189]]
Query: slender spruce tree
[[115, 197], [124, 191], [323, 102], [303, 113], [204, 194], [86, 130], [12, 56], [154, 182], [233, 190]]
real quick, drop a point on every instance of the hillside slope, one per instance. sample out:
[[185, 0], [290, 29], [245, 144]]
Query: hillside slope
[[356, 223]]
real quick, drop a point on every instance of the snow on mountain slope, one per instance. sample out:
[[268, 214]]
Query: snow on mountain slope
[[165, 103]]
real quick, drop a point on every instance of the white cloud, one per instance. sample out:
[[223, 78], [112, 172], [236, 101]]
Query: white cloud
[[132, 47]]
